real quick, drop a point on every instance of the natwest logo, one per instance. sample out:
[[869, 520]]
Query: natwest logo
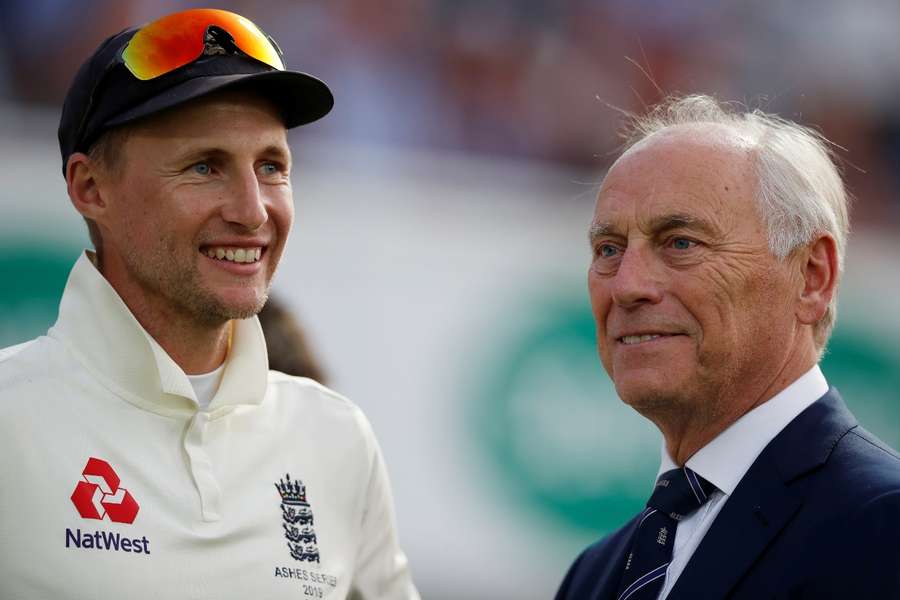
[[99, 494]]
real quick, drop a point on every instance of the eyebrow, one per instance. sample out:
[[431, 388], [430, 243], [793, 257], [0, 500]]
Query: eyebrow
[[657, 226], [281, 152], [599, 229]]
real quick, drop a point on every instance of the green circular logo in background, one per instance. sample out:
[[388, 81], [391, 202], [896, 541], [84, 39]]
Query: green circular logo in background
[[549, 423]]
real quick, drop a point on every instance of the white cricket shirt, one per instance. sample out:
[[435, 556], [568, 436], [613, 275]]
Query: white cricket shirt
[[114, 485], [726, 459]]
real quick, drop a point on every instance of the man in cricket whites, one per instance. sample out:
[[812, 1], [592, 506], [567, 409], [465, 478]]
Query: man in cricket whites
[[148, 451]]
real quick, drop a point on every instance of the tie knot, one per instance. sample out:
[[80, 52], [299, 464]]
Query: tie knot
[[680, 492]]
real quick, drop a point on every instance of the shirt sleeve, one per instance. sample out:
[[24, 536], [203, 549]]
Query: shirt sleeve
[[382, 570]]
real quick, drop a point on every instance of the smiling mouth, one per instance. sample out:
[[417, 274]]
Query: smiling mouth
[[630, 340], [233, 254]]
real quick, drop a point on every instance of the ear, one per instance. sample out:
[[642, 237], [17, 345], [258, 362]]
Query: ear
[[819, 272], [83, 180]]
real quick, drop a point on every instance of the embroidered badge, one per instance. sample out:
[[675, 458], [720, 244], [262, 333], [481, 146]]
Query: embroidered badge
[[663, 536], [298, 520], [98, 495]]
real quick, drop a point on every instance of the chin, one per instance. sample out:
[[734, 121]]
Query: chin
[[648, 395], [216, 310], [243, 312], [245, 309]]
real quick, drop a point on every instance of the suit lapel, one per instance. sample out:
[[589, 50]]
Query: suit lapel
[[609, 574], [759, 508], [768, 496]]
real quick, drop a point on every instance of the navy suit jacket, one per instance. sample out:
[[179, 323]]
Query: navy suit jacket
[[816, 516]]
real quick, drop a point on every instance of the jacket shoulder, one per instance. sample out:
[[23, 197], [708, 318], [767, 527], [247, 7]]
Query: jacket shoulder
[[866, 562], [865, 466], [598, 566], [880, 451]]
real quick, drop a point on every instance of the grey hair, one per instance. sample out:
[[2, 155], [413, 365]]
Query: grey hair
[[800, 191]]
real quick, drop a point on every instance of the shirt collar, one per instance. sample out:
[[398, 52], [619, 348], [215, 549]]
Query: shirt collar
[[99, 330], [724, 460]]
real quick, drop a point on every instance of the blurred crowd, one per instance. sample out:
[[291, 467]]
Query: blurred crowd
[[539, 79]]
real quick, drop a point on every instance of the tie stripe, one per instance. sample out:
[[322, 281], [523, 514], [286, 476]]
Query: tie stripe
[[646, 579], [695, 485], [647, 513]]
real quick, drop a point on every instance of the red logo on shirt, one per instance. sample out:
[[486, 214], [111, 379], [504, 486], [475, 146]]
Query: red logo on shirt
[[99, 494]]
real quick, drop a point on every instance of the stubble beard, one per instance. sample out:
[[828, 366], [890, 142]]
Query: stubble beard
[[178, 285]]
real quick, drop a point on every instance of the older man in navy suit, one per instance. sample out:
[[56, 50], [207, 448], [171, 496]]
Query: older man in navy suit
[[718, 242]]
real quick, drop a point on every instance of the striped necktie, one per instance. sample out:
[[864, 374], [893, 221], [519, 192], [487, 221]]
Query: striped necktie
[[677, 494]]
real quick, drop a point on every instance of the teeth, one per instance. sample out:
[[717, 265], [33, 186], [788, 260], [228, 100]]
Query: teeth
[[636, 339], [238, 255]]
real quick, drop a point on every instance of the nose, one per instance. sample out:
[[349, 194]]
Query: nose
[[637, 280], [245, 205]]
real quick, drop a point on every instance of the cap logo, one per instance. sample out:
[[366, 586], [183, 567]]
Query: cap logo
[[217, 41]]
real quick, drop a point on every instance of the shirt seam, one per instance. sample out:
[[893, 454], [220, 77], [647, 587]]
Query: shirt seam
[[853, 431]]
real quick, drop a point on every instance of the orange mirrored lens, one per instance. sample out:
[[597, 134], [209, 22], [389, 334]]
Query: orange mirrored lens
[[176, 40]]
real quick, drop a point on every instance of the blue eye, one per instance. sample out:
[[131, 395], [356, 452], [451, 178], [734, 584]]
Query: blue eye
[[202, 168], [682, 244], [606, 251]]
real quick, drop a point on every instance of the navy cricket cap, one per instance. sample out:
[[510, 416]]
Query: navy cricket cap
[[105, 93]]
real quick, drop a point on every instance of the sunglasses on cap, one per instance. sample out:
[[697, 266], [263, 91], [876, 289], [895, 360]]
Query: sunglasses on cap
[[162, 47], [179, 39], [141, 71]]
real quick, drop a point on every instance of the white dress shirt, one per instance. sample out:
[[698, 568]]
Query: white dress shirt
[[726, 459]]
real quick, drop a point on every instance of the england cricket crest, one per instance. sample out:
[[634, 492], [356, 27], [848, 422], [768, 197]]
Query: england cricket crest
[[298, 520]]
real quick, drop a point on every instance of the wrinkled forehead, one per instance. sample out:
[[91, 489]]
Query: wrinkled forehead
[[705, 170]]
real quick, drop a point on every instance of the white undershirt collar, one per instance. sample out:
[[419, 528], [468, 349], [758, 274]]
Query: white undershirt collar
[[726, 459], [206, 385]]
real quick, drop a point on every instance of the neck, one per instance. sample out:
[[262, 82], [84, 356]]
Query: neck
[[196, 346], [686, 433]]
